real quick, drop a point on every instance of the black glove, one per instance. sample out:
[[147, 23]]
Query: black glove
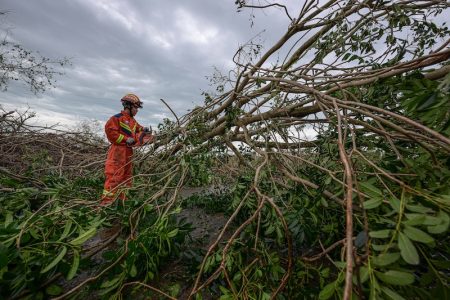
[[148, 130], [130, 141]]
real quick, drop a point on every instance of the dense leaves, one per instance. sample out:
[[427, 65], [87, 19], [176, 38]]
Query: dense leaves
[[333, 165]]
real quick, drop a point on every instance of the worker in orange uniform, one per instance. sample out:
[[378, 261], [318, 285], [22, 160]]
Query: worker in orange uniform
[[124, 133]]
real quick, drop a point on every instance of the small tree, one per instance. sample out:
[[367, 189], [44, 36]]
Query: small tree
[[20, 64]]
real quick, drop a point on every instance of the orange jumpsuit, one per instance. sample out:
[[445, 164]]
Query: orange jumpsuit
[[118, 166]]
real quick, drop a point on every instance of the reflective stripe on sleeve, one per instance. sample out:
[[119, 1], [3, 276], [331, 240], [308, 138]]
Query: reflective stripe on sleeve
[[120, 138], [125, 128]]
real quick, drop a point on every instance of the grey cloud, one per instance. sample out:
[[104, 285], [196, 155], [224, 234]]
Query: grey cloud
[[152, 48]]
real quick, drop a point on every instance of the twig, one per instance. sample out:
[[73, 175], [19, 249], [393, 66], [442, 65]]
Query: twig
[[176, 117]]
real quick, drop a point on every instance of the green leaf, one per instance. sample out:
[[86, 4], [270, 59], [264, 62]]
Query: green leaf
[[224, 290], [383, 247], [265, 296], [395, 203], [113, 282], [431, 221], [56, 260], [417, 235], [374, 288], [414, 219], [443, 226], [363, 274], [327, 291], [340, 264], [372, 203], [84, 237], [174, 290], [106, 291], [172, 233], [380, 234], [396, 277], [148, 207], [3, 256], [441, 264], [150, 275], [66, 230], [391, 294], [370, 189], [407, 249], [75, 264], [53, 290], [34, 234], [237, 277], [258, 273], [269, 230], [385, 259], [198, 296], [133, 271], [8, 219], [419, 209], [428, 103]]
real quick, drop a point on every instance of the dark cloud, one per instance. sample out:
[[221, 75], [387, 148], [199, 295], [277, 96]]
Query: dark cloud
[[157, 49]]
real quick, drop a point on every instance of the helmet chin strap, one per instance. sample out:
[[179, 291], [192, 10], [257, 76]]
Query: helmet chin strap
[[129, 107]]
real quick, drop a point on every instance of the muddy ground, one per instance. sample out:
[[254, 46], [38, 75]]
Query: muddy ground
[[178, 273]]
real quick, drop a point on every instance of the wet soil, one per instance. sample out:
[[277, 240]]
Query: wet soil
[[179, 272], [206, 229]]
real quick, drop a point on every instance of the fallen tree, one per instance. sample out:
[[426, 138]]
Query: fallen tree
[[356, 112], [341, 134]]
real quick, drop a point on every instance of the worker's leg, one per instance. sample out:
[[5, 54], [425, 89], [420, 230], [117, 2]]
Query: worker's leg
[[127, 180], [114, 173]]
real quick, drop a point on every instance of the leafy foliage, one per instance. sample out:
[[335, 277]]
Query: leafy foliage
[[334, 161]]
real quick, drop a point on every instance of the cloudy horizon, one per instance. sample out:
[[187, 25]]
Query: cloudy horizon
[[155, 50]]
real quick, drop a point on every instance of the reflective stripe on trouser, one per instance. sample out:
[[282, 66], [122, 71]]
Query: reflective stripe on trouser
[[118, 173], [109, 197]]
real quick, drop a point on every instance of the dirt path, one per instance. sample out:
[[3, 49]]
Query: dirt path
[[206, 228]]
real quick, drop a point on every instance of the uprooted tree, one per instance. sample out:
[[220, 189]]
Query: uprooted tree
[[341, 135]]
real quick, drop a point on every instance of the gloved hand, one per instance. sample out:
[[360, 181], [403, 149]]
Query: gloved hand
[[130, 141], [148, 130]]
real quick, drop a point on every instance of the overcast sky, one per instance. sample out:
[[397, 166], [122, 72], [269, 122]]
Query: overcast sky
[[155, 49]]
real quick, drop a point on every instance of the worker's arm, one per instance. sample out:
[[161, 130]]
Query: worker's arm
[[139, 128], [143, 136], [146, 138], [113, 132]]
